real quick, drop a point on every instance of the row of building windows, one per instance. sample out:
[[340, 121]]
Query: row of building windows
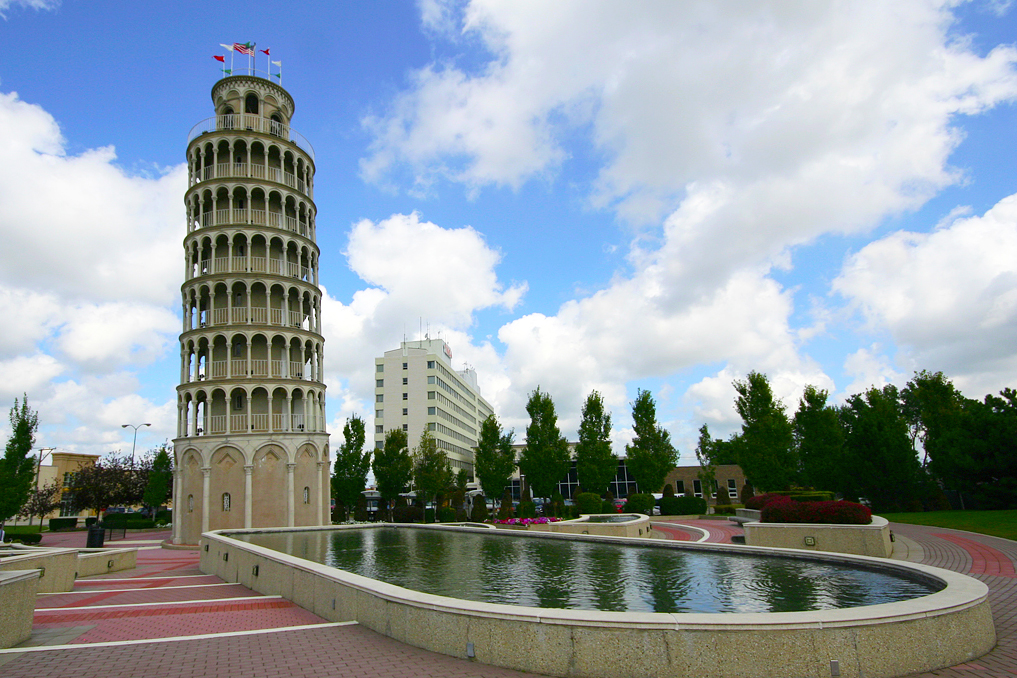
[[445, 430], [448, 374], [438, 412], [451, 447], [434, 395], [697, 488], [431, 379]]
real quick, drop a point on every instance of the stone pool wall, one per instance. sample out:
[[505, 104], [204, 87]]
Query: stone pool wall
[[863, 540], [934, 631]]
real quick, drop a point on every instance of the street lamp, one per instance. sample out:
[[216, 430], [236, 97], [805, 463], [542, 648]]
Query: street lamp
[[38, 467], [135, 438]]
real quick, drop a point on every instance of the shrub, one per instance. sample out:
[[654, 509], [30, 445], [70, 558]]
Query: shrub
[[812, 495], [682, 506], [93, 520], [639, 503], [164, 516], [26, 538], [480, 513], [608, 507], [429, 515], [746, 494], [787, 510], [57, 524], [726, 509], [446, 514], [407, 514], [759, 501], [588, 502], [668, 490], [526, 509]]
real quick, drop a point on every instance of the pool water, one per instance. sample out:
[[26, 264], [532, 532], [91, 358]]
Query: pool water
[[515, 569]]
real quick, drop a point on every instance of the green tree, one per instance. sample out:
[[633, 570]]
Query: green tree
[[495, 460], [651, 456], [766, 453], [545, 459], [978, 450], [819, 441], [431, 471], [596, 464], [705, 455], [160, 479], [931, 405], [352, 463], [879, 452], [17, 469], [393, 467]]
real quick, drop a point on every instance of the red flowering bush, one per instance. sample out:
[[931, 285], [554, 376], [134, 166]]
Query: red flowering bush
[[787, 510], [757, 502]]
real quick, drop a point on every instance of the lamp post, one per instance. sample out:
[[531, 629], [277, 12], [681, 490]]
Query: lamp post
[[135, 438], [38, 468]]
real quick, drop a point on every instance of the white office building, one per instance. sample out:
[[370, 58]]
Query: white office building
[[416, 387]]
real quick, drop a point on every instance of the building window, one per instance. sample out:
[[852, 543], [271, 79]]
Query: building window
[[380, 368], [406, 427], [378, 414], [405, 381], [380, 398], [406, 366], [430, 364], [732, 488], [430, 379], [307, 495], [680, 488], [379, 383], [432, 410], [406, 411], [379, 445], [406, 396], [190, 503], [697, 488], [430, 395], [379, 429], [432, 426], [225, 501]]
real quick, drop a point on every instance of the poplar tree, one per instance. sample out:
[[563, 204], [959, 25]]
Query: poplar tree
[[651, 456], [545, 459], [765, 453], [393, 467], [17, 468], [596, 464], [431, 471], [351, 465], [494, 460]]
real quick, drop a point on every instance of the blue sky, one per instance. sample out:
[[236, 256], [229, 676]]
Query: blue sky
[[577, 195]]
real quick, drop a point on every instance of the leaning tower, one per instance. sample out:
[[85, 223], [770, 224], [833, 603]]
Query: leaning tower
[[251, 447]]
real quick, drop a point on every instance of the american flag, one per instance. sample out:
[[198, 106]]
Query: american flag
[[244, 48]]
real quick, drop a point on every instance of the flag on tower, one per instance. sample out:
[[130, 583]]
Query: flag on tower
[[265, 52], [244, 48], [229, 47], [220, 58]]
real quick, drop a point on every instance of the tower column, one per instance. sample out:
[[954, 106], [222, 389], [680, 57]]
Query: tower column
[[290, 506], [248, 489], [324, 496], [206, 471]]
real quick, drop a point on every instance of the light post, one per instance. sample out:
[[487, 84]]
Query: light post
[[135, 438], [38, 468]]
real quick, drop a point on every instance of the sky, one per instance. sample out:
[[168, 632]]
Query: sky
[[575, 195]]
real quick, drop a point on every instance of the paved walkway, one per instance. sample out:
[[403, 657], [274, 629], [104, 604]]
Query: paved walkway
[[166, 618]]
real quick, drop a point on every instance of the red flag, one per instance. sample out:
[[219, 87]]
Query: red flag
[[220, 58], [265, 52]]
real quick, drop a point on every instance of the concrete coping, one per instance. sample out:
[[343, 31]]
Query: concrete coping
[[14, 576], [959, 591], [878, 523]]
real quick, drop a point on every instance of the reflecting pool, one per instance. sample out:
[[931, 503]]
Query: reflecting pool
[[517, 569]]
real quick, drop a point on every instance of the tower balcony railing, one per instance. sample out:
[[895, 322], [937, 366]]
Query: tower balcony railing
[[258, 315], [223, 424], [268, 265], [253, 217], [259, 369], [251, 122], [251, 170]]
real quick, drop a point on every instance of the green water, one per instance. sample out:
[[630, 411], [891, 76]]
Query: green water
[[514, 569]]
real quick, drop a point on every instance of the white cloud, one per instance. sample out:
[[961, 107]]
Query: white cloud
[[30, 4], [949, 297]]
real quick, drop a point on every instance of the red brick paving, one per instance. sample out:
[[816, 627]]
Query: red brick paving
[[358, 652]]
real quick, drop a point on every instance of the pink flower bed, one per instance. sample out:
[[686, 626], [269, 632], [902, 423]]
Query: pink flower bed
[[526, 521]]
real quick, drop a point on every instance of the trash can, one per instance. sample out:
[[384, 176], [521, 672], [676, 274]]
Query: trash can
[[96, 536]]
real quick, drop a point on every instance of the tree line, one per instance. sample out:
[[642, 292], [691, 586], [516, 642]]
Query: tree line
[[898, 448]]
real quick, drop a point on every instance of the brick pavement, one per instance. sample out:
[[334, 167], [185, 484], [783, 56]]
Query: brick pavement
[[273, 637]]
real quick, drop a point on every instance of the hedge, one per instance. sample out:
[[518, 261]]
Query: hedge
[[788, 510], [446, 514], [407, 514], [25, 538], [480, 512], [91, 521], [682, 506], [639, 503], [57, 524], [588, 502], [608, 507], [130, 521], [761, 500], [726, 509], [526, 509]]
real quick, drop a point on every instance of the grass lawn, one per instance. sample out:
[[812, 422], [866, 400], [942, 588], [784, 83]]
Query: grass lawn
[[995, 523], [21, 529]]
